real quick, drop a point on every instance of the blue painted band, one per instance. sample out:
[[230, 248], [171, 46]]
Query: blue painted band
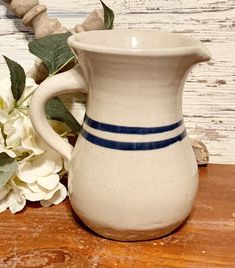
[[130, 130], [131, 146]]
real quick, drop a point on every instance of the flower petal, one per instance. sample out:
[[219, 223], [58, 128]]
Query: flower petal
[[60, 195], [57, 198], [3, 116], [26, 173], [19, 127], [18, 192], [17, 206], [57, 160], [34, 187], [43, 165], [29, 144], [30, 195], [3, 205], [49, 182], [15, 200], [13, 140], [43, 203], [49, 194], [6, 95], [9, 129], [34, 196]]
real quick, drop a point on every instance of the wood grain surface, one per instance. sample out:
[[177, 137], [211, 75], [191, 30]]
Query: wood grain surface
[[54, 237], [209, 99]]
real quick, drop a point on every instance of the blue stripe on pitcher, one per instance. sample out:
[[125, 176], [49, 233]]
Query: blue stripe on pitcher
[[131, 146], [130, 130]]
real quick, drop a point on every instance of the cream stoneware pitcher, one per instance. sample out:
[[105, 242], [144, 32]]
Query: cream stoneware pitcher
[[132, 174]]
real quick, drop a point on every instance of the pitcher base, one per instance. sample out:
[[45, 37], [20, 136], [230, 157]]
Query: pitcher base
[[132, 235]]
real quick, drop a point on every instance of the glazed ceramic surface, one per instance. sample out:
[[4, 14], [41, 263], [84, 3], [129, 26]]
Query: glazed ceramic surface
[[132, 174]]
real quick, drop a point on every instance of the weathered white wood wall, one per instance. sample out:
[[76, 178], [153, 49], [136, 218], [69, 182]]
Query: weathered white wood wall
[[209, 99]]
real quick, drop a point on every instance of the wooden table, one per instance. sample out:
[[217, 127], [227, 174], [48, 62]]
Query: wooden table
[[51, 237]]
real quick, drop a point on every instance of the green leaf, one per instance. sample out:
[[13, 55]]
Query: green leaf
[[53, 50], [108, 16], [18, 78], [56, 110], [8, 167]]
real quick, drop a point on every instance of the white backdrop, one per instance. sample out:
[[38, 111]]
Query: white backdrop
[[209, 98]]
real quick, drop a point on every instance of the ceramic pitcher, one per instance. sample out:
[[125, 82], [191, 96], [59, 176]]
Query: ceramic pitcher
[[132, 174]]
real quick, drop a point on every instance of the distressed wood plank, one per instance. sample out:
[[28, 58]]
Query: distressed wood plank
[[209, 98], [51, 237]]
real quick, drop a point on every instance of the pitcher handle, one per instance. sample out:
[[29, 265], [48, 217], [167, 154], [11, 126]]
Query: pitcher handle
[[67, 82]]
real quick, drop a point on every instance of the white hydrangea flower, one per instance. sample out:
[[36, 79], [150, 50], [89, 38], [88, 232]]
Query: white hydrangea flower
[[14, 198], [20, 134], [15, 130], [40, 179], [39, 166]]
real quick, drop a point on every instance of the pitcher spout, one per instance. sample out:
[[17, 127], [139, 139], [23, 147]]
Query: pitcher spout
[[192, 50], [201, 54]]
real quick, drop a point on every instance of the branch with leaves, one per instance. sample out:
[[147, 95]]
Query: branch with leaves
[[56, 56], [29, 169]]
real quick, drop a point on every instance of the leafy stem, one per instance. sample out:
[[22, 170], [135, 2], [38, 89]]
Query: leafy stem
[[21, 101]]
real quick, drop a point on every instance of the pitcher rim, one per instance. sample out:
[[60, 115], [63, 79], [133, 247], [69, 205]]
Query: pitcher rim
[[196, 47]]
